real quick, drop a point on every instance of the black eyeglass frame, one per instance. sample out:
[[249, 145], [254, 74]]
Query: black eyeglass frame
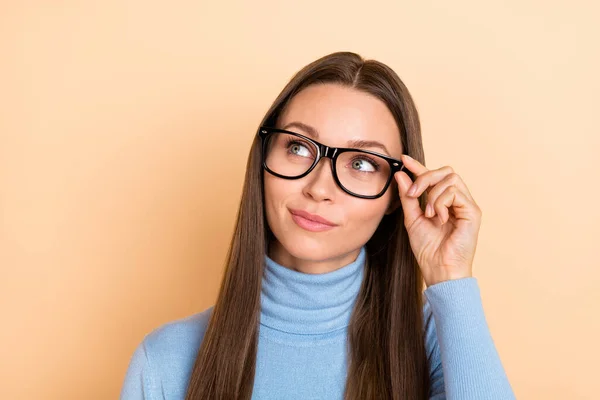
[[332, 153]]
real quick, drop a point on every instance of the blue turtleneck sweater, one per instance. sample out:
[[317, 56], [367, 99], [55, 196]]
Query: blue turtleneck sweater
[[303, 337]]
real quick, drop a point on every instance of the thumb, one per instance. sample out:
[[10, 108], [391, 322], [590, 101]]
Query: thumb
[[410, 205]]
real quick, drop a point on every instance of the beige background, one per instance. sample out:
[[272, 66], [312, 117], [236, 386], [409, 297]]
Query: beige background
[[125, 128]]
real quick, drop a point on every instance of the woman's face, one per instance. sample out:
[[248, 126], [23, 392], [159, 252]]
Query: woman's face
[[338, 114]]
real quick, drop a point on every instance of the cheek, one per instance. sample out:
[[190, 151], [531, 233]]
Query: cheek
[[277, 191], [367, 215], [271, 195], [363, 216]]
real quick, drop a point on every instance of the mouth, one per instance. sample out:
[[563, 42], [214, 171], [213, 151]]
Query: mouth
[[311, 222]]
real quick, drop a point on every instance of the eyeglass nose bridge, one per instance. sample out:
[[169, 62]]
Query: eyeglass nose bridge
[[328, 152]]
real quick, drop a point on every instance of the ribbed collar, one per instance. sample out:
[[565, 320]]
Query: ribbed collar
[[300, 303]]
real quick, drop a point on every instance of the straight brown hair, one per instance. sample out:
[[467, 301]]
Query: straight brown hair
[[386, 349]]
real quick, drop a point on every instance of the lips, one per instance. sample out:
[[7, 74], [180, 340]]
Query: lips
[[312, 217]]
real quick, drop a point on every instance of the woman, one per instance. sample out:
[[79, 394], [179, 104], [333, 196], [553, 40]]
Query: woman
[[322, 296]]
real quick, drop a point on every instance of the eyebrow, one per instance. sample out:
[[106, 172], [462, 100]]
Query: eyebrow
[[357, 143]]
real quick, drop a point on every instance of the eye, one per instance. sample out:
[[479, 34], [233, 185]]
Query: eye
[[298, 148], [364, 164]]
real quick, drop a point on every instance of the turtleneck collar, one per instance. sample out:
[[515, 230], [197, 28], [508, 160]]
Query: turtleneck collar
[[296, 302]]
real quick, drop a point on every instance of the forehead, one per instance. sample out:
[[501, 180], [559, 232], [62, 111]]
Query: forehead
[[341, 114]]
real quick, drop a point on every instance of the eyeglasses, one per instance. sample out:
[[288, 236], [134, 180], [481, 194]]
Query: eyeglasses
[[360, 173]]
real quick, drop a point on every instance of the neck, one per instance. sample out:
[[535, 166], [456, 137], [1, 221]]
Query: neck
[[296, 302], [281, 256]]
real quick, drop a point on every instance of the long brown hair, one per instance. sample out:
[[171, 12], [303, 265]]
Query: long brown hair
[[387, 358]]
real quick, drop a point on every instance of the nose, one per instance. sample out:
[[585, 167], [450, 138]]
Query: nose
[[320, 183]]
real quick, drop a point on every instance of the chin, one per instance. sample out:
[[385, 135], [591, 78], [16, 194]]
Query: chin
[[315, 248], [306, 248]]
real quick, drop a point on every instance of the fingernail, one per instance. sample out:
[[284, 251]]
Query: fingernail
[[412, 190], [407, 156], [429, 211]]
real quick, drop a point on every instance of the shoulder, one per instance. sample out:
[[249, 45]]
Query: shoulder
[[163, 361], [178, 338], [171, 349]]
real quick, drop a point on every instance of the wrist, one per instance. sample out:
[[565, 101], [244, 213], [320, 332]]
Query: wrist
[[446, 278]]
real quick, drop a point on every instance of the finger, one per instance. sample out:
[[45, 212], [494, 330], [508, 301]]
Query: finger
[[462, 207], [429, 179], [410, 205], [413, 165], [452, 179]]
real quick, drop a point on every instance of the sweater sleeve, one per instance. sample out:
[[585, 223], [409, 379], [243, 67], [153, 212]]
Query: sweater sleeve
[[464, 363], [139, 381]]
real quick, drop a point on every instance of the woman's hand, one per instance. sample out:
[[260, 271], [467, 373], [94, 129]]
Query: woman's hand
[[443, 238]]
